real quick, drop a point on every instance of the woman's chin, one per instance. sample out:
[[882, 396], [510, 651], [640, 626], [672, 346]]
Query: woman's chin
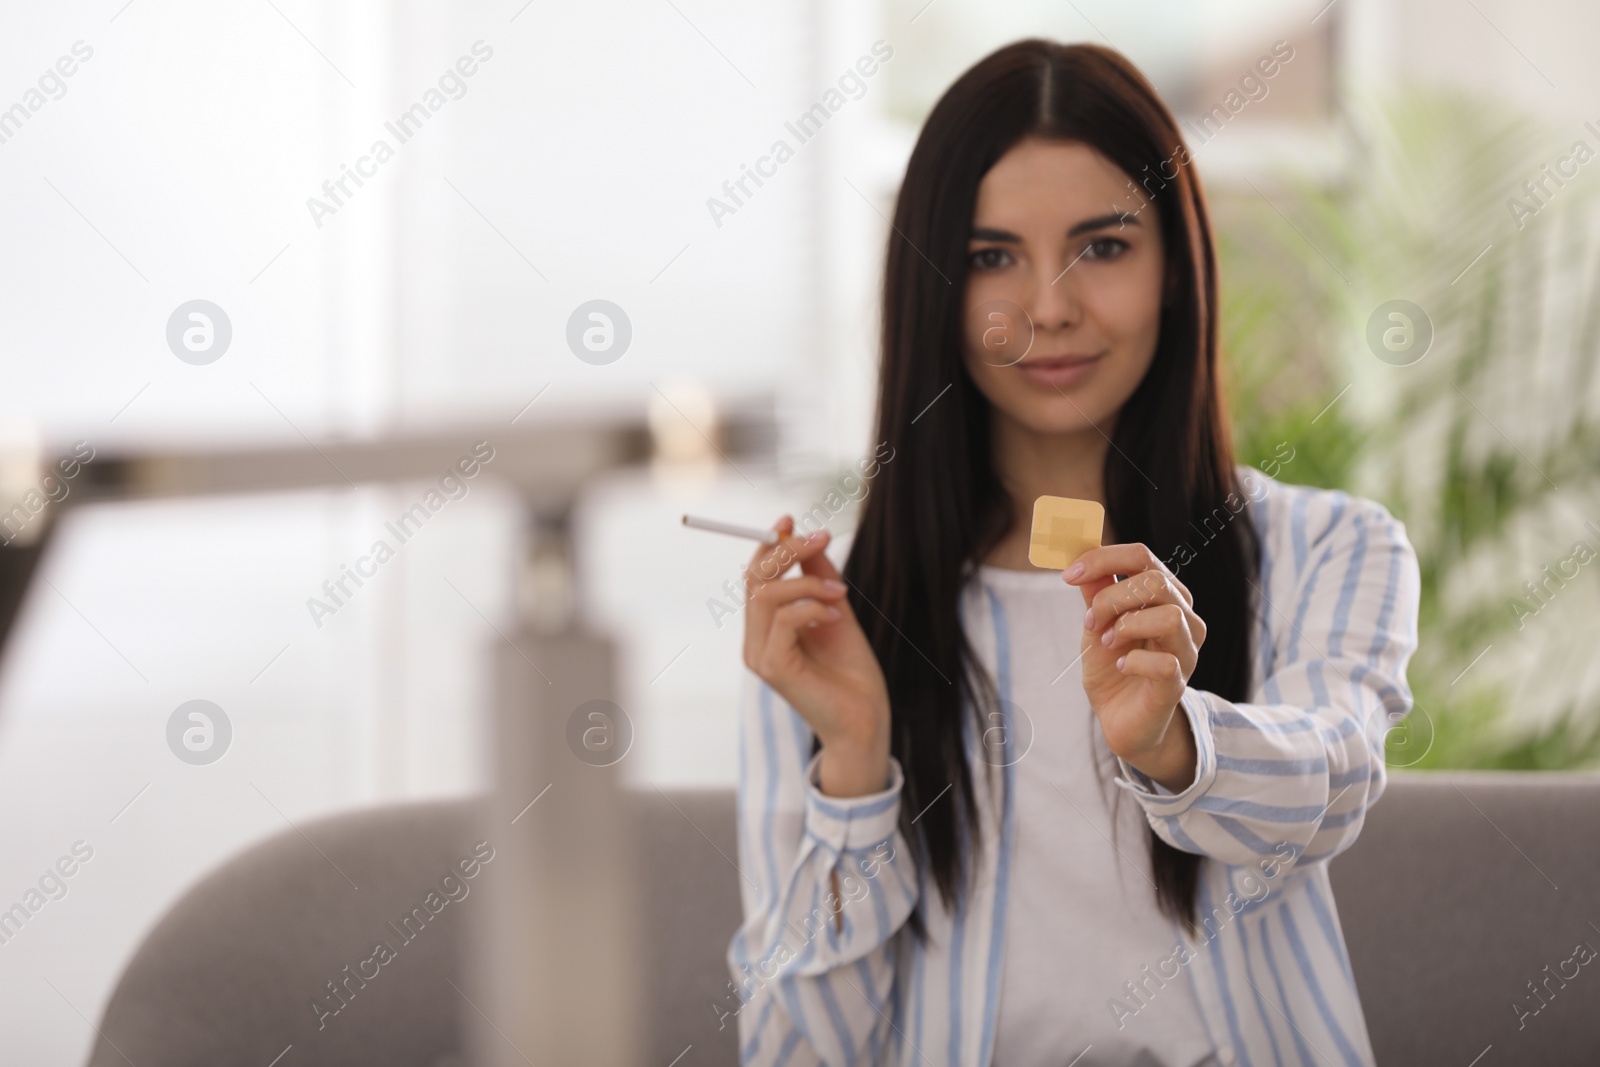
[[1058, 414]]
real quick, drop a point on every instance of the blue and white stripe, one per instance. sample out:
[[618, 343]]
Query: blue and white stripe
[[1281, 785]]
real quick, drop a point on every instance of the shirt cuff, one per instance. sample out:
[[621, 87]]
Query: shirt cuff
[[852, 822], [1156, 798]]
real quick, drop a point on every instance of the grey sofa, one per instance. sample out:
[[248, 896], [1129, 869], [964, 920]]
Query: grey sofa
[[1461, 889]]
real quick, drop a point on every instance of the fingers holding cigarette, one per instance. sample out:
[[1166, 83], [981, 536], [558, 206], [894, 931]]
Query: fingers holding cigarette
[[802, 638], [770, 561]]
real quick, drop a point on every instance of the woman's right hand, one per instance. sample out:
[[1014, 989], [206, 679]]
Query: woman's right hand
[[802, 637]]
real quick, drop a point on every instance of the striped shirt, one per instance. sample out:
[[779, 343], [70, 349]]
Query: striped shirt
[[825, 973]]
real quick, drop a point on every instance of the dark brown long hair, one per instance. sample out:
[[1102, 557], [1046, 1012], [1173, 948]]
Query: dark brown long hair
[[938, 510]]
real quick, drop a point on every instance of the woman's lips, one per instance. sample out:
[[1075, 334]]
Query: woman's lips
[[1058, 372]]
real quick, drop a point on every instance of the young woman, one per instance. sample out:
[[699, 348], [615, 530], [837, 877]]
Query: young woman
[[936, 868]]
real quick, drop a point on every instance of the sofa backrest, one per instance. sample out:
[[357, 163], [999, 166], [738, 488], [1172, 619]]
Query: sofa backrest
[[239, 969], [1461, 889]]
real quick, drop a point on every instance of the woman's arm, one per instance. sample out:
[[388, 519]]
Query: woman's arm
[[1302, 767], [826, 883]]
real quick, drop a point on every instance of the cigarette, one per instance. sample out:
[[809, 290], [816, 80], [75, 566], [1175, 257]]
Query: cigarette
[[767, 537]]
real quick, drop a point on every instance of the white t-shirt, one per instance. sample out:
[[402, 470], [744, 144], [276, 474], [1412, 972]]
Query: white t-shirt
[[1082, 918]]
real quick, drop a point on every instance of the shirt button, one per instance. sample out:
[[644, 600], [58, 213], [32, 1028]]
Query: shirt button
[[1225, 1054]]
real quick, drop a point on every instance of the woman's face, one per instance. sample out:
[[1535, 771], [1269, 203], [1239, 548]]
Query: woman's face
[[1065, 252]]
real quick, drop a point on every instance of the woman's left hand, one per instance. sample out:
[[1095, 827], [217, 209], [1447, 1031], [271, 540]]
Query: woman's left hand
[[1141, 641]]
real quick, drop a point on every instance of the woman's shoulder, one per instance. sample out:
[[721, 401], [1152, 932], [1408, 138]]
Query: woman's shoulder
[[1297, 521]]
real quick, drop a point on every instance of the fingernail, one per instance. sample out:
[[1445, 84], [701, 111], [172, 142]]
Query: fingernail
[[1074, 572], [833, 613], [1088, 619], [1107, 637], [1120, 661], [833, 586]]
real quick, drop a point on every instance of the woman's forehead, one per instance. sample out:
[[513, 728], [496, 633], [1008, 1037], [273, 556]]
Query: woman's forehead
[[1055, 181]]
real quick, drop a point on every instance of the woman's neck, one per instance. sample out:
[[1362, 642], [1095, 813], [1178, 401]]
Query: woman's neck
[[1033, 464]]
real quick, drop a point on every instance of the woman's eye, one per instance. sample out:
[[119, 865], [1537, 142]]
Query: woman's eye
[[990, 258], [1104, 248]]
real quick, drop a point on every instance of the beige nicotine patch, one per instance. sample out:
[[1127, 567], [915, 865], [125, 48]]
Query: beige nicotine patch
[[1063, 530]]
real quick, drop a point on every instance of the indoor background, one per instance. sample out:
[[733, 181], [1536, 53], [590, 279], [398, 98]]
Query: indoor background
[[205, 152]]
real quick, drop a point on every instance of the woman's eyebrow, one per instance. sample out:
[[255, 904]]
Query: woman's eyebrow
[[1118, 219]]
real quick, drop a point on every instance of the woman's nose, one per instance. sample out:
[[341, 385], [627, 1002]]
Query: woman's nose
[[1053, 301]]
